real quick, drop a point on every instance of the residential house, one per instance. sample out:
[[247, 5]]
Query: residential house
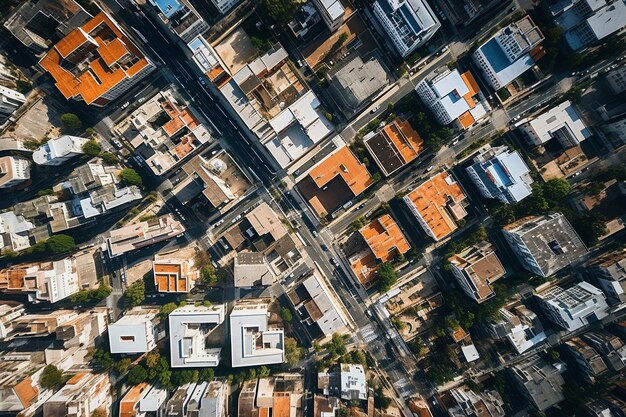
[[136, 332], [143, 400], [189, 330], [394, 145], [476, 268], [174, 275]]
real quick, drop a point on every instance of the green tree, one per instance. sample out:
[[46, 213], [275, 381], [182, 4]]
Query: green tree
[[280, 11], [123, 366], [135, 294], [416, 346], [166, 309], [590, 227], [358, 223], [92, 148], [554, 355], [286, 315], [71, 123], [51, 377], [381, 400], [556, 189], [109, 158], [386, 277], [60, 244], [152, 359], [136, 375], [206, 374], [293, 352], [23, 86], [129, 176], [102, 360], [264, 372]]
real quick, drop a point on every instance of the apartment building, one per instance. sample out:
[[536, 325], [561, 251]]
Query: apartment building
[[143, 400], [142, 234], [467, 403], [453, 97], [608, 345], [512, 51], [10, 101], [544, 244], [394, 145], [57, 151], [13, 171], [96, 63], [83, 394], [438, 204], [610, 272], [539, 381], [332, 12], [251, 269], [19, 384], [281, 395], [136, 332], [408, 23], [181, 18], [574, 307], [501, 174], [585, 358], [353, 382], [209, 62], [9, 311], [16, 231], [253, 340], [519, 325], [476, 268], [174, 275], [562, 123], [224, 6], [203, 399], [617, 79], [189, 331]]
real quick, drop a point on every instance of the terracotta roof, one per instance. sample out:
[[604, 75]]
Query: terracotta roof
[[395, 145], [26, 392], [385, 238], [130, 400], [471, 83], [466, 119], [101, 73], [364, 267], [281, 404], [438, 203], [172, 275]]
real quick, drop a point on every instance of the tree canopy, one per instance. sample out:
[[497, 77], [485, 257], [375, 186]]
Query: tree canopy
[[386, 277], [71, 123], [129, 176], [51, 377], [135, 294], [136, 375], [280, 11], [293, 352], [92, 148]]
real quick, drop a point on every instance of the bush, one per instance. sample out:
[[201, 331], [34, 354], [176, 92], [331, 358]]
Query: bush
[[286, 315], [328, 116], [129, 176], [51, 377], [71, 122], [386, 277], [135, 294], [92, 148], [109, 158], [136, 375]]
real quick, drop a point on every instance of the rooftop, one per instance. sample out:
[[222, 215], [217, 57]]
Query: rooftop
[[385, 238], [139, 235], [481, 267], [394, 146]]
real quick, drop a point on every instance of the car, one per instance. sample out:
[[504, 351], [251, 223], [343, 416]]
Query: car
[[315, 234], [141, 100], [123, 106], [117, 143], [374, 110], [360, 206], [201, 80], [512, 9], [334, 261], [430, 168], [324, 247]]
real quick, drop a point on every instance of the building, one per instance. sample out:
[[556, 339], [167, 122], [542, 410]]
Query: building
[[453, 97], [468, 403], [585, 358], [37, 24], [611, 348], [181, 17], [544, 244], [19, 384], [142, 234], [224, 5], [50, 281], [519, 325], [512, 51], [189, 331], [332, 12], [208, 60], [324, 406], [252, 270], [164, 131], [214, 400], [394, 146], [609, 271], [613, 132], [353, 383], [143, 400], [203, 399], [13, 171], [561, 123], [585, 22], [135, 332], [501, 174], [16, 232], [408, 23], [253, 340], [10, 100], [278, 396], [574, 307], [174, 275], [356, 81], [438, 204], [9, 311], [539, 381], [96, 62], [58, 151], [80, 396], [476, 268], [316, 306], [617, 79]]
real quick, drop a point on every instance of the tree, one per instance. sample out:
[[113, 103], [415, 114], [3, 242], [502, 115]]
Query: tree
[[264, 372], [123, 366], [60, 244], [51, 377], [280, 11], [358, 223], [503, 215], [206, 374], [381, 400], [71, 123], [92, 148], [286, 315], [152, 359], [293, 352], [590, 227], [129, 176], [556, 189], [99, 412], [416, 346], [136, 375], [386, 277], [109, 158], [554, 355], [102, 360], [166, 309], [135, 294]]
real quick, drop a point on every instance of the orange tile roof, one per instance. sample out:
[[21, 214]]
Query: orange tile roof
[[281, 405], [74, 380], [385, 238], [466, 119], [93, 83], [365, 268], [172, 277], [405, 139], [470, 82], [128, 405], [437, 202], [26, 392]]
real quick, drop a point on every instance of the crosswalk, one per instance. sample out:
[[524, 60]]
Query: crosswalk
[[369, 333]]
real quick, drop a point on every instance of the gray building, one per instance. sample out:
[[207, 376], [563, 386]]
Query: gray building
[[610, 273], [585, 358], [539, 381], [609, 346], [544, 244], [190, 328]]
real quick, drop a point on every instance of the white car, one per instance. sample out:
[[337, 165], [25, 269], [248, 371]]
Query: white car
[[123, 106], [374, 110], [117, 143]]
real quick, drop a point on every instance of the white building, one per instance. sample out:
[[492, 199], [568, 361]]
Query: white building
[[10, 100], [562, 123], [224, 5], [58, 151], [574, 307], [80, 396], [14, 232], [253, 342], [13, 171], [501, 174], [181, 17], [617, 79], [142, 400], [190, 326], [610, 273], [135, 332], [332, 12], [509, 53], [452, 96], [206, 58], [586, 22], [353, 383], [47, 281], [544, 244], [408, 23]]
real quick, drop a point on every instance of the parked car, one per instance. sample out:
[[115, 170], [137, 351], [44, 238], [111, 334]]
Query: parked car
[[374, 110]]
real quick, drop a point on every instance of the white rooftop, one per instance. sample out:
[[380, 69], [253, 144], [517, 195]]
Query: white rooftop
[[134, 332], [334, 8], [189, 328], [470, 353], [203, 55], [562, 116], [58, 148]]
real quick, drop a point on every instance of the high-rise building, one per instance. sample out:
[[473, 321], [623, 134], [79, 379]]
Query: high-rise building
[[610, 272], [181, 17], [13, 171], [332, 12], [476, 268], [573, 307], [10, 100], [539, 381], [562, 123]]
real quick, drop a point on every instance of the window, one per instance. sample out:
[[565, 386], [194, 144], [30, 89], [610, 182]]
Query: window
[[127, 339]]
